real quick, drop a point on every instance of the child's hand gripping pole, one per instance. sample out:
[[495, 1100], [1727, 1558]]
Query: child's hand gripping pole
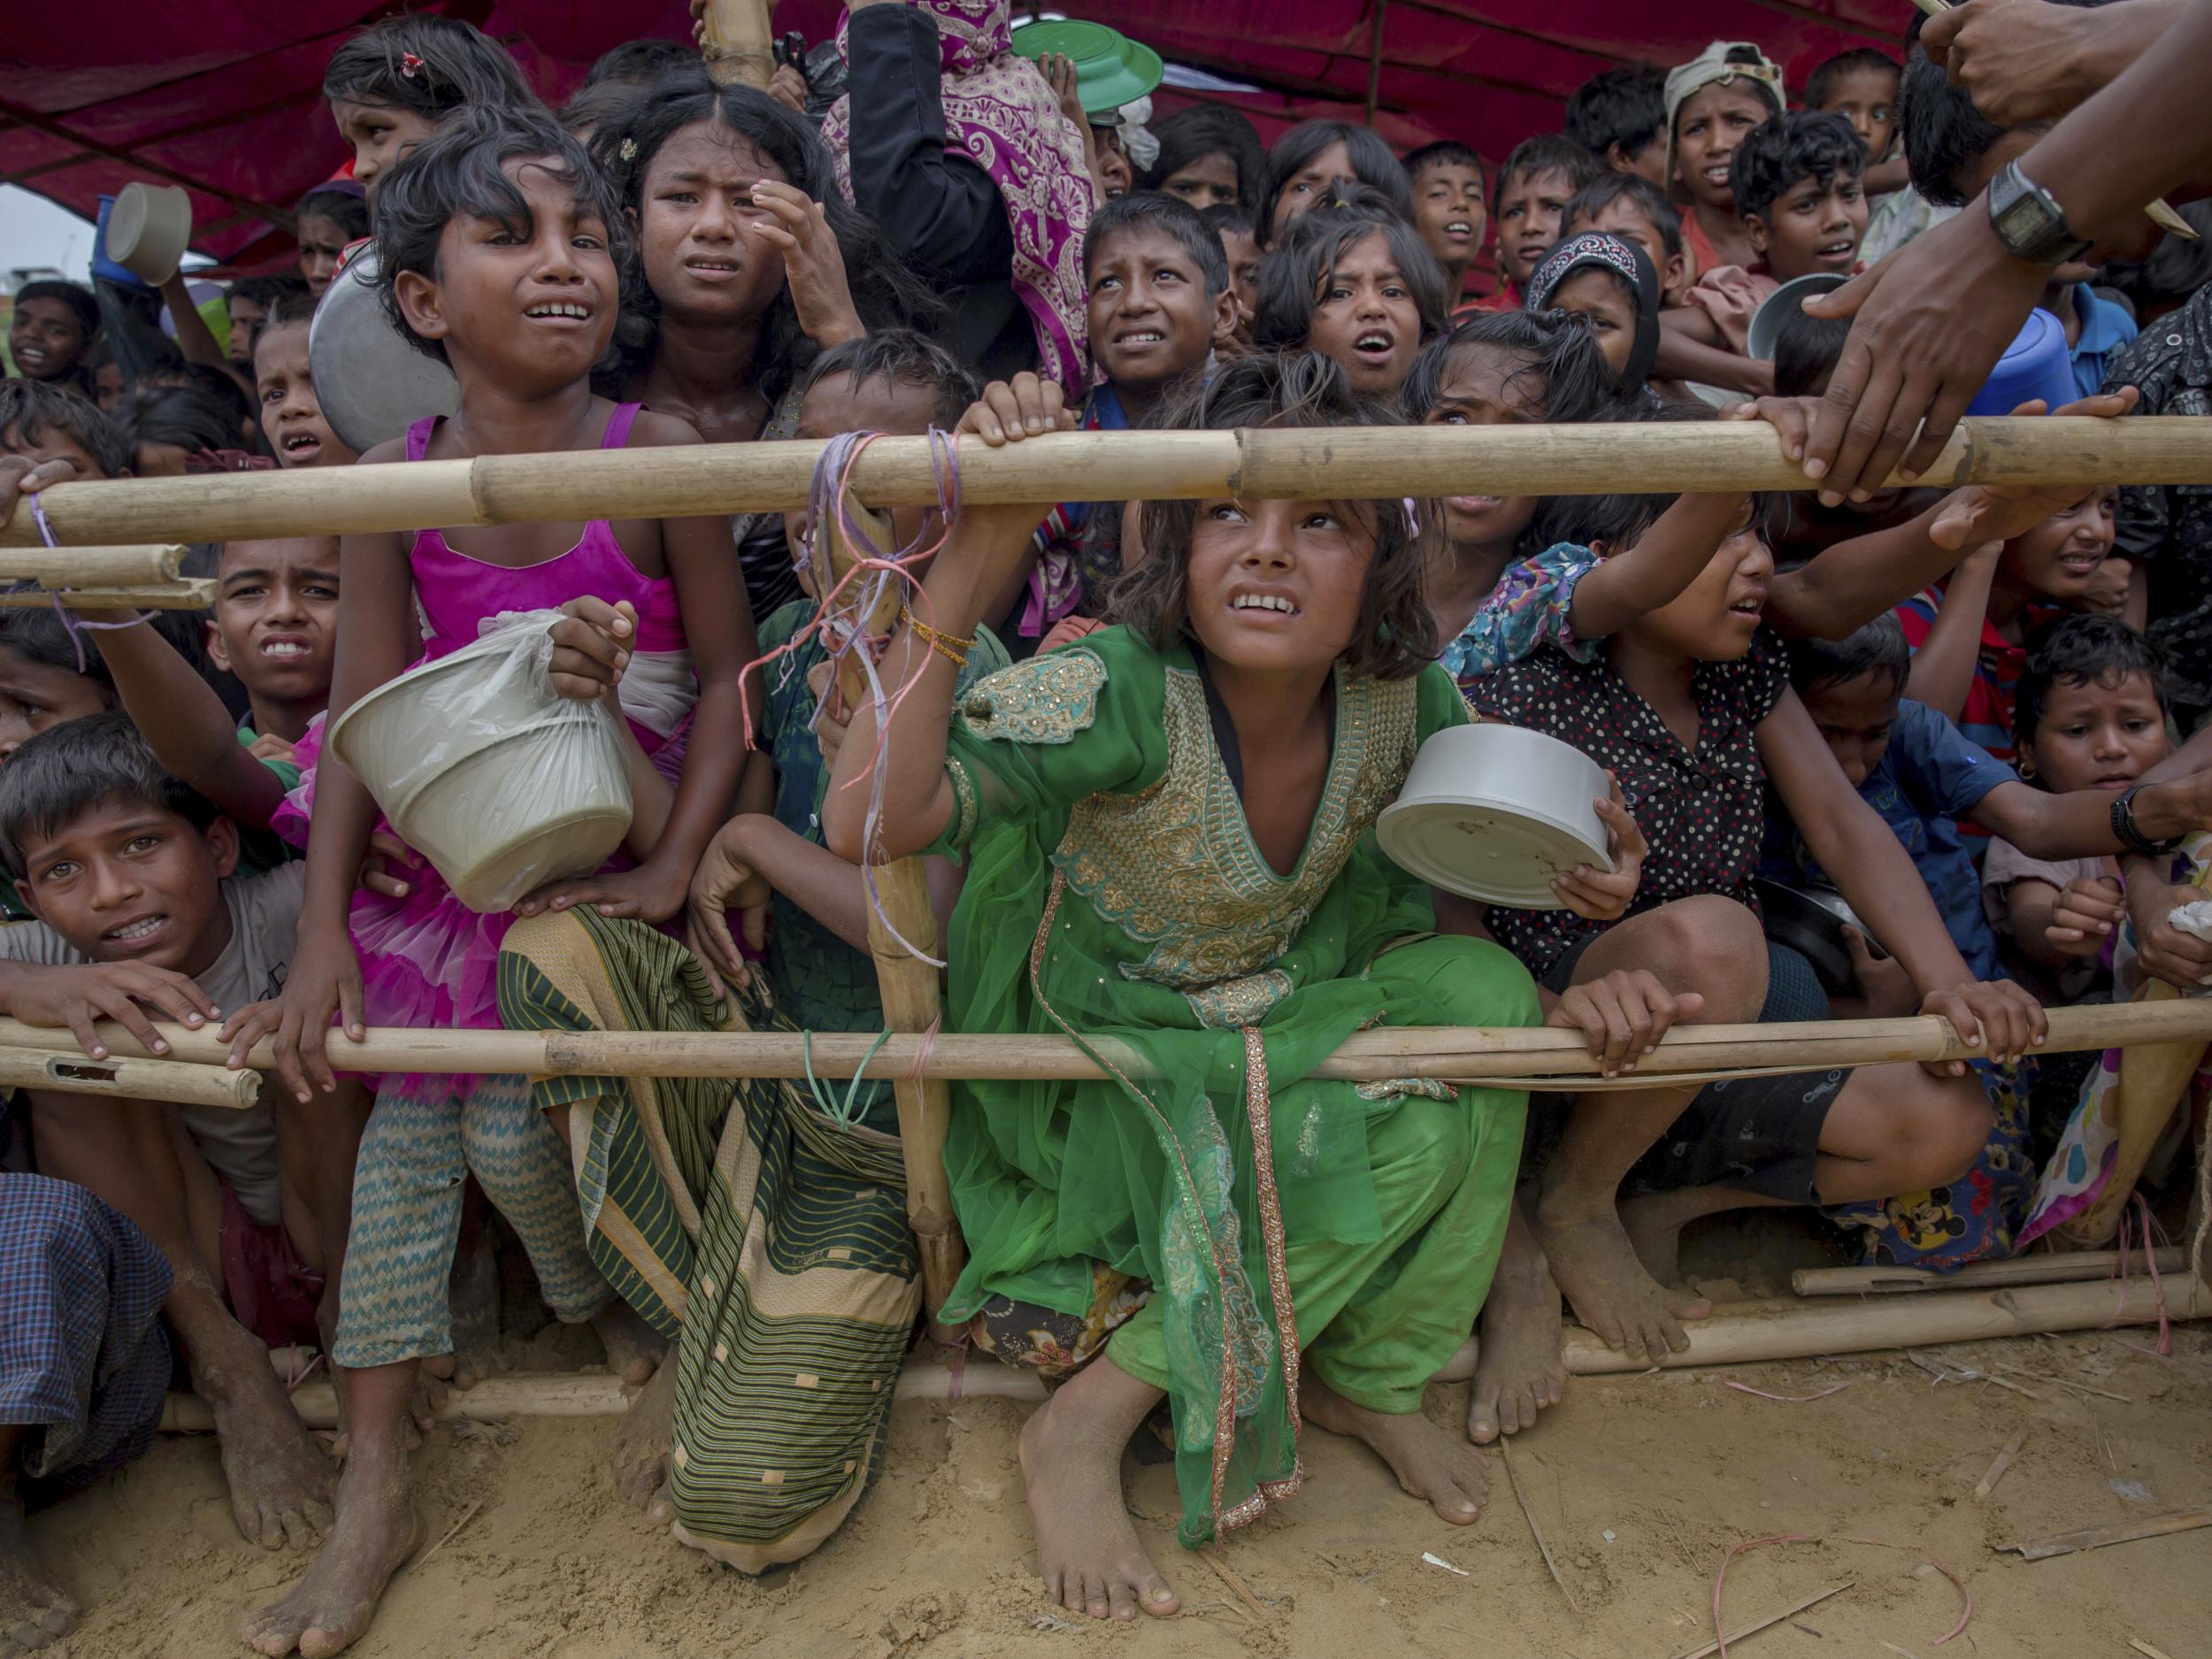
[[902, 930]]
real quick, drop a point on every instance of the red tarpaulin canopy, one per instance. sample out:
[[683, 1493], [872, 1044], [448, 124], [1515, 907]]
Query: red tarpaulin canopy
[[223, 97]]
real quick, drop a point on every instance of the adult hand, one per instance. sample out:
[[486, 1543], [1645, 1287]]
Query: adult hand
[[813, 265], [1622, 1015], [76, 997], [1915, 352], [1598, 896], [2110, 586], [725, 879], [2088, 910], [1980, 513], [325, 979], [1998, 1018], [2016, 58], [591, 648], [2162, 951], [651, 893], [1792, 418]]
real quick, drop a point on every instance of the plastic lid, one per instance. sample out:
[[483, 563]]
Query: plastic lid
[[1111, 69], [2037, 364], [1498, 854], [1783, 303]]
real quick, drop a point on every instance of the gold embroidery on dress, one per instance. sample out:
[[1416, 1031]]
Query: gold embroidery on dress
[[1391, 1087], [1244, 1001], [1047, 699], [964, 800], [1175, 866]]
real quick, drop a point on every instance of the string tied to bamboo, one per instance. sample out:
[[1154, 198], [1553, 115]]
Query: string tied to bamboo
[[72, 625]]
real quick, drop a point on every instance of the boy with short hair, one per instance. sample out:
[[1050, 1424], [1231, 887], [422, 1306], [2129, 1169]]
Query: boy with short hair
[[1528, 208], [1862, 86], [1630, 206], [1713, 102], [133, 879], [1952, 151], [1232, 221], [1619, 115], [248, 304], [284, 382], [1445, 177]]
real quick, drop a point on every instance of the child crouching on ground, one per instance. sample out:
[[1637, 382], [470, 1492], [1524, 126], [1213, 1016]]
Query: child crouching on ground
[[1691, 709], [1233, 933], [132, 879]]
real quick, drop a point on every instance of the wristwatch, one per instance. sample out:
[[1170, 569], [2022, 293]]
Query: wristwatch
[[2125, 830], [2029, 221]]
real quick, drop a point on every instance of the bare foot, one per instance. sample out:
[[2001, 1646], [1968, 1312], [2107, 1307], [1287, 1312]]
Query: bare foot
[[33, 1613], [429, 1398], [641, 1448], [1518, 1368], [474, 1294], [1087, 1549], [330, 1608], [278, 1474], [1654, 1223], [1593, 1262], [634, 1347], [1429, 1461]]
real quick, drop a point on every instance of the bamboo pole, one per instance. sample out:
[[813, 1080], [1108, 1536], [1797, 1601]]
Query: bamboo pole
[[2044, 1268], [2125, 1532], [1747, 1332], [1377, 462], [736, 39], [1472, 1054], [89, 566], [73, 1072], [192, 594], [912, 1001]]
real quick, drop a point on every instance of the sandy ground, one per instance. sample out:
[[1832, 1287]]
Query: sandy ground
[[1641, 1485]]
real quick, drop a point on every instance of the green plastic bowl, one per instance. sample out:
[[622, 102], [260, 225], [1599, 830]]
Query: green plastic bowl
[[1111, 69]]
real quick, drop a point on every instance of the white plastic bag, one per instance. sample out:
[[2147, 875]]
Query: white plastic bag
[[501, 784]]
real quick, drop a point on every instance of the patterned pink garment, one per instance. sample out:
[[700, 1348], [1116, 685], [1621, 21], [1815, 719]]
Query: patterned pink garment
[[1002, 115]]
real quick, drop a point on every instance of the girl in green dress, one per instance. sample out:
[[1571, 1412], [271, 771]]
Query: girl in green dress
[[1167, 827]]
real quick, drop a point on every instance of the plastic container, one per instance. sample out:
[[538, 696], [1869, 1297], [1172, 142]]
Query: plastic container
[[371, 381], [482, 769], [104, 269], [1783, 303], [2037, 363], [1111, 69], [148, 230], [1494, 812]]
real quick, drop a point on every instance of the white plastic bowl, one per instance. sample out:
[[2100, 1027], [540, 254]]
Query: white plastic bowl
[[1494, 812], [501, 784], [148, 229]]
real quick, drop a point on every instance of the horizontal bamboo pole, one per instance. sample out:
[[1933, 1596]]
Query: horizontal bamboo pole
[[73, 1072], [187, 594], [2044, 1268], [1469, 1054], [1368, 462], [28, 560]]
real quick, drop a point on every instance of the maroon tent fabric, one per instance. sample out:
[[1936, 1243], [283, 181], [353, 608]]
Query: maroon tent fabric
[[223, 96]]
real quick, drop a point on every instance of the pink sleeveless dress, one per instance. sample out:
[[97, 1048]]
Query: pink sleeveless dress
[[427, 959]]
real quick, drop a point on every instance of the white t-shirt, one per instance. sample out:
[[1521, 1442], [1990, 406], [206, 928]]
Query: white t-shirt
[[264, 918]]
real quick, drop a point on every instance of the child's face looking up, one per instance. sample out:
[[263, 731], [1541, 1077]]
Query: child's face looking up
[[2101, 734], [1811, 227], [838, 403], [2058, 558], [1151, 317], [1448, 212], [1333, 165], [290, 412], [1707, 129], [322, 240], [1364, 316], [1867, 98], [1855, 716], [276, 618], [529, 305], [1532, 213], [1278, 586], [129, 882], [34, 696], [1204, 181], [380, 135], [1714, 618], [1486, 386], [1599, 296], [699, 228], [45, 338]]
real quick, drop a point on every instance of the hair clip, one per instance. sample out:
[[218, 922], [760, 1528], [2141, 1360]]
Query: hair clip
[[410, 65], [627, 149]]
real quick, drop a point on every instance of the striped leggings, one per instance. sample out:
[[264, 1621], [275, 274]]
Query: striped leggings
[[420, 1145]]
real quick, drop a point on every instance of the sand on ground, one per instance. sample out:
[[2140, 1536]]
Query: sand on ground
[[1641, 1485]]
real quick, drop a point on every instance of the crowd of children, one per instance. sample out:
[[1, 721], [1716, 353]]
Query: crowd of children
[[1963, 719]]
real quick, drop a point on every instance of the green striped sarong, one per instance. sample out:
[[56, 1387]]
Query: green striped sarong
[[765, 1239]]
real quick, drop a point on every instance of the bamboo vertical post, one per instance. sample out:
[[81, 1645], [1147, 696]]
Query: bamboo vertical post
[[911, 1001], [738, 43]]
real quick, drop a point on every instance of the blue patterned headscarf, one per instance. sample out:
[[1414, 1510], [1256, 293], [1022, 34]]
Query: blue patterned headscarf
[[1624, 259]]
